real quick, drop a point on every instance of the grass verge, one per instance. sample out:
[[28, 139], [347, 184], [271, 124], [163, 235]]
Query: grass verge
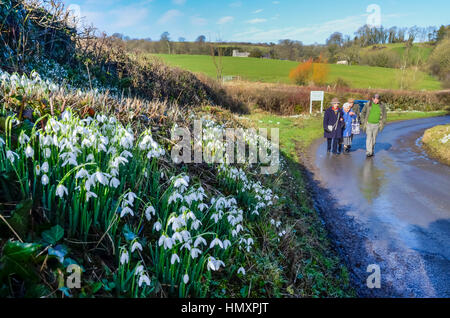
[[436, 142]]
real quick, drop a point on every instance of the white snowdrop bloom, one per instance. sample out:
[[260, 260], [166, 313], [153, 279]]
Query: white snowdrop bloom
[[66, 115], [241, 271], [114, 172], [202, 207], [234, 233], [196, 224], [47, 153], [2, 142], [29, 152], [200, 240], [112, 150], [144, 279], [114, 183], [186, 236], [139, 270], [11, 155], [214, 264], [90, 158], [119, 161], [45, 167], [175, 197], [195, 252], [250, 241], [174, 259], [215, 217], [82, 173], [272, 221], [215, 242], [126, 211], [177, 236], [89, 195], [37, 169], [278, 224], [71, 161], [101, 178], [186, 279], [23, 139], [61, 190], [226, 244], [136, 245], [239, 228], [130, 197], [165, 241], [186, 245], [182, 182], [126, 154], [124, 257], [157, 226], [44, 180], [149, 212]]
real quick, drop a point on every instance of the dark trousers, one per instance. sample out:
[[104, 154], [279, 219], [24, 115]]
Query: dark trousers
[[335, 142]]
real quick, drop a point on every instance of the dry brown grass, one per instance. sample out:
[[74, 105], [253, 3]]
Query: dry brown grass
[[433, 143]]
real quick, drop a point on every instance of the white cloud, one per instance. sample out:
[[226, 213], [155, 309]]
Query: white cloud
[[236, 4], [257, 11], [255, 21], [169, 16], [197, 20], [225, 20], [308, 34]]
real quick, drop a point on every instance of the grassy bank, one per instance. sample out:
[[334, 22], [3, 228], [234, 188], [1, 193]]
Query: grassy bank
[[277, 71], [436, 141]]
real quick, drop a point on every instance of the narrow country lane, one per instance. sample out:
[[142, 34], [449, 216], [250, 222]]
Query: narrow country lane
[[392, 210]]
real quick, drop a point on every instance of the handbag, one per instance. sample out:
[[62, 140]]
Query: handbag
[[356, 127], [331, 128]]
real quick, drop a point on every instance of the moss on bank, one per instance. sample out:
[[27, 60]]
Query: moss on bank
[[436, 142]]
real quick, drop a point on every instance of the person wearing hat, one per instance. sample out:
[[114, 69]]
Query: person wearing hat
[[347, 133], [333, 123], [373, 120]]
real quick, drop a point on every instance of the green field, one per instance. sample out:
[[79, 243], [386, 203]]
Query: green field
[[277, 71], [420, 52]]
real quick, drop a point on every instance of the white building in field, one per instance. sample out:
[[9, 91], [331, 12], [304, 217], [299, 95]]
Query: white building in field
[[236, 53], [342, 62]]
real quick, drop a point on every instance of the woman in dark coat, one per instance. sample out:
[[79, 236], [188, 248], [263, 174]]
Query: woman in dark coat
[[333, 124]]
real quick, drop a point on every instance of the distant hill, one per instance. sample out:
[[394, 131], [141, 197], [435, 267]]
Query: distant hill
[[277, 71]]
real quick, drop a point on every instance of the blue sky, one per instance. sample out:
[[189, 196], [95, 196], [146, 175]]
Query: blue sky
[[309, 21]]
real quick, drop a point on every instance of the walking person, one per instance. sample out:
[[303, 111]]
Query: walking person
[[349, 117], [333, 124], [373, 120]]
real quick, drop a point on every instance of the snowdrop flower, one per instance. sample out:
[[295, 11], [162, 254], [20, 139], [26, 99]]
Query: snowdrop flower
[[182, 182], [177, 236], [136, 245], [47, 153], [125, 211], [101, 178], [29, 152], [195, 252], [38, 170], [175, 197], [200, 240], [10, 155], [61, 190], [23, 139], [114, 183], [45, 167], [215, 242], [144, 279], [196, 224], [89, 195], [2, 142], [139, 270], [174, 259], [226, 244], [44, 180], [157, 226], [129, 197], [241, 271], [124, 258], [186, 279], [148, 213], [90, 157], [214, 264], [202, 206], [82, 173], [166, 241], [126, 154]]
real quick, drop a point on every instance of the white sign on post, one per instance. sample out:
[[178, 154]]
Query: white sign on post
[[317, 96]]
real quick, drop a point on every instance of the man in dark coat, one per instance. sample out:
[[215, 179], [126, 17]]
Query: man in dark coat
[[373, 120], [333, 123]]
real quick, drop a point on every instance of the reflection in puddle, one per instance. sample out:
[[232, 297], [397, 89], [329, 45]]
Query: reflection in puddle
[[371, 179]]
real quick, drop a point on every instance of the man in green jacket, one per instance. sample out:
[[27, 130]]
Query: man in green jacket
[[373, 120]]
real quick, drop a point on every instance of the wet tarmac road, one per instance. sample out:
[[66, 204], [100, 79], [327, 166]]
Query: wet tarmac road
[[400, 200]]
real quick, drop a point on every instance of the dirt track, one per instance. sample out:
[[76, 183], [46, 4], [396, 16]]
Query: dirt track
[[392, 210]]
